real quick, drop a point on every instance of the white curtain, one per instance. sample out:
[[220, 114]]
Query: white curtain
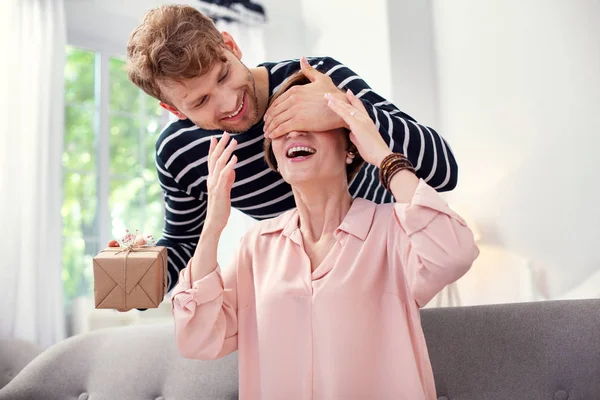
[[32, 45]]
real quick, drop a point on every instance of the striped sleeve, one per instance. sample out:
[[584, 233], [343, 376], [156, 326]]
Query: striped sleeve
[[424, 147], [184, 218]]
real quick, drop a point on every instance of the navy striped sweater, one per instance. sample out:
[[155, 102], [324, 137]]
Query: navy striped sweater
[[182, 152]]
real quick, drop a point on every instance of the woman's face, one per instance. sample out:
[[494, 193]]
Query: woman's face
[[312, 157]]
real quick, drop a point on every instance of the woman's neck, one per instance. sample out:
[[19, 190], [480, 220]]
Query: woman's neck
[[321, 208]]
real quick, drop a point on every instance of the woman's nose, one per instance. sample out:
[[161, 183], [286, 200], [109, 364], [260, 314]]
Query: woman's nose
[[294, 134]]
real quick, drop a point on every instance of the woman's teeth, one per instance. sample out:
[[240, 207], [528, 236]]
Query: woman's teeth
[[295, 151]]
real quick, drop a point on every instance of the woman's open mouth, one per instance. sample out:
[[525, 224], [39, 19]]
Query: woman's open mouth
[[300, 153]]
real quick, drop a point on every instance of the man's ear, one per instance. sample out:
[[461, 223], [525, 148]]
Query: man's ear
[[231, 44], [172, 110]]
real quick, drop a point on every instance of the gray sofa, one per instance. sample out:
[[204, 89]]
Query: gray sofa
[[14, 356], [528, 351]]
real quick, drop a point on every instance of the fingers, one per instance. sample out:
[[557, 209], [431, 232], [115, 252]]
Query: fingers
[[228, 172], [225, 156], [342, 109], [216, 150], [355, 101], [211, 150], [311, 73], [281, 105], [277, 107], [274, 131], [285, 128]]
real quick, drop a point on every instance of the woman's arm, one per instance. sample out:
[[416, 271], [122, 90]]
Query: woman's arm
[[431, 243], [205, 303], [205, 313], [428, 241]]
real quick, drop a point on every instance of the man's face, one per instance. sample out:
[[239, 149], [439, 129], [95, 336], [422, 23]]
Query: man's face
[[224, 98]]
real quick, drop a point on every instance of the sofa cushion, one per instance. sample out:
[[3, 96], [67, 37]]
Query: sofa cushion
[[539, 350]]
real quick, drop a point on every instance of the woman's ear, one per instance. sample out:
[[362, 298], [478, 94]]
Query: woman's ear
[[350, 156]]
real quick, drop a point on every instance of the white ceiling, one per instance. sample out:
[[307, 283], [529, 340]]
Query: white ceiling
[[106, 24]]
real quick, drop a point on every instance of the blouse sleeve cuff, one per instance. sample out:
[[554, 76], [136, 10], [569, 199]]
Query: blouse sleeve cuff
[[425, 205], [201, 291]]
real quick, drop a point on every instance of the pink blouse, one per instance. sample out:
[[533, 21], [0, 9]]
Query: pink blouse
[[349, 330]]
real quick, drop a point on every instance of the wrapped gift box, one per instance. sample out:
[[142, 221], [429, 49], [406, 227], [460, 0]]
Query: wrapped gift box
[[130, 277]]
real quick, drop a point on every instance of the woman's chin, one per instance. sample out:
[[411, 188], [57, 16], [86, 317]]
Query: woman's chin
[[302, 179], [313, 180]]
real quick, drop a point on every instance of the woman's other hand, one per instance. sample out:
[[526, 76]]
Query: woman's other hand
[[363, 132], [221, 175]]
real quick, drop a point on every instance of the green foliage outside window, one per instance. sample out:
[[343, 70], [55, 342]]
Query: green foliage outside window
[[135, 198]]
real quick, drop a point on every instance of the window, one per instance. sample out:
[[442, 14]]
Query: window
[[110, 181]]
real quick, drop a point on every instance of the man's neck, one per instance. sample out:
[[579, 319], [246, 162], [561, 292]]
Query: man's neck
[[261, 84]]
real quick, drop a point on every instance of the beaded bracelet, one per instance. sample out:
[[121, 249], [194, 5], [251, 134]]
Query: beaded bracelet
[[391, 165]]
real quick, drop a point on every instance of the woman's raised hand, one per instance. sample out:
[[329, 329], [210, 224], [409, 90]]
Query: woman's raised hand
[[221, 175], [363, 132]]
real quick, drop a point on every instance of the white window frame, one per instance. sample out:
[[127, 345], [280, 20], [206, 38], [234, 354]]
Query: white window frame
[[104, 51]]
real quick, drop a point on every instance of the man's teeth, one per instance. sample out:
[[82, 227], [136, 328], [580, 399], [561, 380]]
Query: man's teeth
[[297, 149], [237, 111]]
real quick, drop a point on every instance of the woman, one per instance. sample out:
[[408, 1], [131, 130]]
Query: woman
[[323, 301]]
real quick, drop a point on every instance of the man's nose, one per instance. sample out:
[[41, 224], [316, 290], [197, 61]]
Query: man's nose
[[228, 102]]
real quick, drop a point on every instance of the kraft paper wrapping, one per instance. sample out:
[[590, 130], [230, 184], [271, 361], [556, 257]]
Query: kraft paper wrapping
[[130, 277]]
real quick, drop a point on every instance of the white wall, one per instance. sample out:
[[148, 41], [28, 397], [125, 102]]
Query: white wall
[[284, 32], [412, 57], [354, 32], [519, 95]]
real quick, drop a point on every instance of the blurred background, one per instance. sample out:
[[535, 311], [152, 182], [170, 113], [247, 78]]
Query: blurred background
[[513, 86]]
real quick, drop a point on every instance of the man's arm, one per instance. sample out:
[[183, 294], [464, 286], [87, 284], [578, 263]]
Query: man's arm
[[423, 146], [184, 218]]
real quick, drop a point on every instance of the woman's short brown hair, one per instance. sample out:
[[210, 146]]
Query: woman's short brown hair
[[300, 79], [173, 43]]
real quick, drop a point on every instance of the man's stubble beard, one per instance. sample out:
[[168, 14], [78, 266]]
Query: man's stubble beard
[[251, 115]]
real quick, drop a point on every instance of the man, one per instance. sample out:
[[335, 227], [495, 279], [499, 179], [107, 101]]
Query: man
[[178, 56]]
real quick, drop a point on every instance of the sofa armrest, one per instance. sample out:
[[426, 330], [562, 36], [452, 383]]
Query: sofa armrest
[[133, 362], [15, 354]]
